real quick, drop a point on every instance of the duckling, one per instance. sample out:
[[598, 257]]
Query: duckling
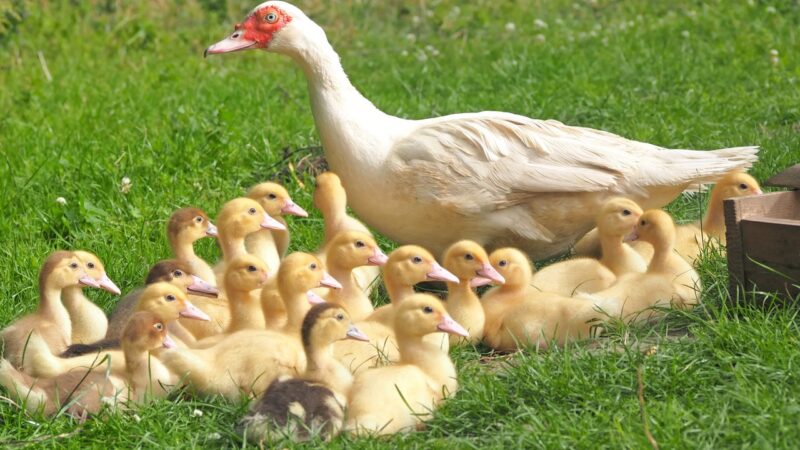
[[331, 199], [51, 320], [616, 220], [517, 271], [467, 260], [271, 245], [247, 361], [245, 275], [396, 398], [185, 227], [166, 301], [88, 392], [89, 322], [669, 280], [347, 251], [312, 404]]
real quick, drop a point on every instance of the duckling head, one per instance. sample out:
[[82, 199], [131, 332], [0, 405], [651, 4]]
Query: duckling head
[[656, 227], [353, 249], [275, 200], [326, 323], [301, 272], [146, 331], [189, 225], [63, 269], [468, 260], [246, 273], [95, 269], [411, 264], [513, 265], [735, 184], [242, 216], [618, 217], [329, 194], [179, 274], [422, 314], [168, 302]]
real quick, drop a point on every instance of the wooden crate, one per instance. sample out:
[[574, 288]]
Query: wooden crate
[[763, 239]]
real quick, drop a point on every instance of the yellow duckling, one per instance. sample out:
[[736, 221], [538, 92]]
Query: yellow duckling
[[185, 227], [89, 322]]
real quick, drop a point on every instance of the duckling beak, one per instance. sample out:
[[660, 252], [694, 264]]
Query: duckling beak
[[193, 312], [313, 298], [293, 209], [632, 236], [86, 280], [329, 281], [480, 281], [168, 342], [448, 325], [355, 333], [487, 271], [441, 274], [200, 286], [271, 224], [758, 191], [230, 44], [378, 258], [108, 285], [212, 230]]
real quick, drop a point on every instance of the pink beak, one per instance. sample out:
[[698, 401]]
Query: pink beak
[[487, 271], [448, 325], [108, 285], [293, 209], [355, 333], [632, 236], [378, 258], [233, 43], [758, 191], [479, 281], [200, 286], [86, 280], [212, 230], [440, 273], [271, 224], [313, 298], [193, 312], [168, 342], [329, 281]]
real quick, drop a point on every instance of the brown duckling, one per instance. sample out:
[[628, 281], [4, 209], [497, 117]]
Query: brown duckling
[[89, 322], [185, 227]]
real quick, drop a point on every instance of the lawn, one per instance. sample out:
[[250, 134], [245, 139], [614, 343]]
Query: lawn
[[92, 92]]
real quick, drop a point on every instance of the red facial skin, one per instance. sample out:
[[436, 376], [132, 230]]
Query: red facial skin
[[257, 29]]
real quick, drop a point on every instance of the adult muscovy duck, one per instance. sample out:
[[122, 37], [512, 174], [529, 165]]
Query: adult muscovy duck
[[496, 178]]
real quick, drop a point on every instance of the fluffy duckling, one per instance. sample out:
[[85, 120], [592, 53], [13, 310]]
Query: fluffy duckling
[[239, 363], [669, 279], [396, 398], [51, 320], [468, 260], [346, 252], [83, 393], [89, 322], [517, 271], [271, 245], [616, 220], [166, 301], [331, 199], [185, 227], [312, 404]]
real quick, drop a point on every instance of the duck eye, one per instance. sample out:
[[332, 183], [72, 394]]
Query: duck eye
[[236, 35], [251, 211], [416, 260], [177, 274], [312, 266], [90, 265], [427, 310], [251, 268], [158, 326], [198, 219], [271, 17], [743, 186], [360, 244], [643, 223], [340, 316], [502, 263], [74, 265], [170, 298], [272, 196], [469, 257], [626, 212]]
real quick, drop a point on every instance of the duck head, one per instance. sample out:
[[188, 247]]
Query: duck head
[[246, 273], [275, 200], [64, 269], [513, 265], [145, 331], [168, 302], [422, 314], [468, 261], [327, 323], [242, 216], [657, 228], [300, 273], [179, 274], [189, 224], [351, 249], [735, 184], [618, 217], [95, 269], [411, 264]]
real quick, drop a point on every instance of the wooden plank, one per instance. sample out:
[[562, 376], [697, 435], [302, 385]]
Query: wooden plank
[[733, 238], [771, 249], [778, 205], [788, 178]]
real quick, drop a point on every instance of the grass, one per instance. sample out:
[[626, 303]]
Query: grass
[[129, 95]]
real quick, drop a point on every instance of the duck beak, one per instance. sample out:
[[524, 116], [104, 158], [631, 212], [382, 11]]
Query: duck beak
[[479, 281], [86, 280], [355, 333], [168, 342], [378, 258], [293, 209], [108, 285], [448, 325], [632, 236], [230, 44], [487, 271], [271, 224], [212, 230], [200, 286], [758, 191], [329, 281], [313, 298], [440, 273], [193, 312]]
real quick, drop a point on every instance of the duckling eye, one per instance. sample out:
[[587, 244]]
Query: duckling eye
[[158, 326], [626, 212], [251, 268], [643, 223], [90, 265], [312, 266], [73, 265], [340, 317], [271, 17], [198, 219], [502, 263], [427, 310], [416, 260], [170, 298], [177, 274], [360, 244], [469, 257], [743, 186], [272, 196], [251, 211]]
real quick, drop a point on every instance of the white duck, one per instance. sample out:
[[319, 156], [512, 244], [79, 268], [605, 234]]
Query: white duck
[[496, 178]]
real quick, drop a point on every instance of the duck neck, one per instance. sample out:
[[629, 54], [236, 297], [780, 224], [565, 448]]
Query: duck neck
[[231, 246], [613, 252], [183, 249], [397, 290], [245, 308], [714, 219], [414, 350], [322, 367], [345, 276], [51, 307], [661, 252], [296, 308], [461, 293], [136, 361], [73, 298]]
